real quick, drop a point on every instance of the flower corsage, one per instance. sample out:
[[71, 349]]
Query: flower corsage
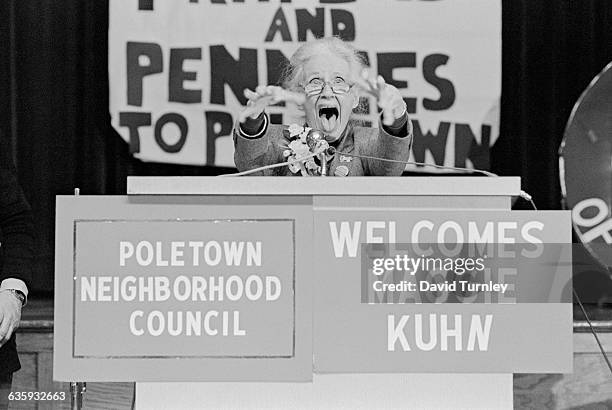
[[297, 149]]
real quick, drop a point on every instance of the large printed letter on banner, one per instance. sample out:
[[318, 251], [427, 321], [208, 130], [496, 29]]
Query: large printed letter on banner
[[177, 70]]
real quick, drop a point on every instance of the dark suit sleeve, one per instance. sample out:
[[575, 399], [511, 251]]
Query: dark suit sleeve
[[16, 225]]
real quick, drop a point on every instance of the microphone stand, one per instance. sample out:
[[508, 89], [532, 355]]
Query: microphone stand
[[323, 159], [316, 142]]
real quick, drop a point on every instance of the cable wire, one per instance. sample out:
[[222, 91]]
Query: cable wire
[[487, 173], [529, 199], [603, 352], [280, 164]]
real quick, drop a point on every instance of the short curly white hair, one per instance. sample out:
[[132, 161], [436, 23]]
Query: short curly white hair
[[293, 73]]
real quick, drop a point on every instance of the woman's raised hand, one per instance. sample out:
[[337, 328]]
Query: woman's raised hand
[[265, 95], [387, 96]]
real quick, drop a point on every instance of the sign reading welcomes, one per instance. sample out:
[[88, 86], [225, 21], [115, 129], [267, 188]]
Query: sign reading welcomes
[[178, 69], [459, 291]]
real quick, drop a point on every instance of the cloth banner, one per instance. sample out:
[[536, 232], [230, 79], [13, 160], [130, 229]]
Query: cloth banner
[[177, 69]]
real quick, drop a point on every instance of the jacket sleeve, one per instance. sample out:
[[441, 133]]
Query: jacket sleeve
[[391, 143], [258, 149], [16, 225]]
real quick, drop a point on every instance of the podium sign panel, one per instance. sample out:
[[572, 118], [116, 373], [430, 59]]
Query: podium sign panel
[[485, 318], [184, 288], [202, 291]]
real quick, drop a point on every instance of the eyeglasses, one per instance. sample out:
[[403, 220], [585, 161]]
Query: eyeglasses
[[337, 85]]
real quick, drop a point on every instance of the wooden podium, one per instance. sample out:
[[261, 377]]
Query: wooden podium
[[347, 372]]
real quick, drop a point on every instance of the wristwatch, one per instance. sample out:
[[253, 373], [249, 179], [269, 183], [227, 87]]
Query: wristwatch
[[18, 294]]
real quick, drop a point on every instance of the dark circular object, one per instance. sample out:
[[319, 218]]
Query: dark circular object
[[585, 167]]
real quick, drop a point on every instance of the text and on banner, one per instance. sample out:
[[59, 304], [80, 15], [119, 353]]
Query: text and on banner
[[177, 70]]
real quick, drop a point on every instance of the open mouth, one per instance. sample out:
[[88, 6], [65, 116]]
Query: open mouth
[[328, 117]]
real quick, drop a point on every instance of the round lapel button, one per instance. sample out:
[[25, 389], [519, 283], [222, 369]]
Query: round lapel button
[[341, 171]]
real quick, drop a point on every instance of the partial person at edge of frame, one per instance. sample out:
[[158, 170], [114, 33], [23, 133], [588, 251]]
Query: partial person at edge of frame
[[16, 253]]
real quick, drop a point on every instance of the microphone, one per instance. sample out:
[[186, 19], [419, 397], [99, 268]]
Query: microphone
[[318, 145], [316, 141]]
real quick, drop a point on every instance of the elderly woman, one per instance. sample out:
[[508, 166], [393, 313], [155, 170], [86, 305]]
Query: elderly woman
[[323, 79]]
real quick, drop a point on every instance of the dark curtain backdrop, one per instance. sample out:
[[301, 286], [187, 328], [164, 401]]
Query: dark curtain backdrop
[[54, 93]]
